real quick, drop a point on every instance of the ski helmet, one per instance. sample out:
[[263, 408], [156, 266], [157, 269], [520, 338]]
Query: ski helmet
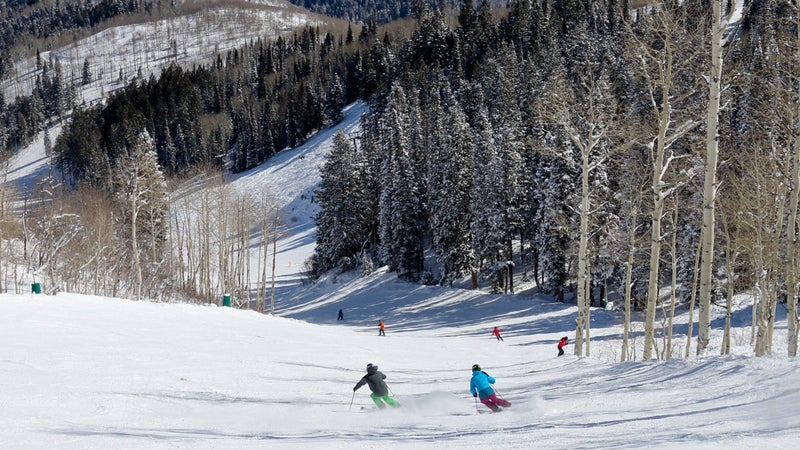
[[371, 367], [476, 367]]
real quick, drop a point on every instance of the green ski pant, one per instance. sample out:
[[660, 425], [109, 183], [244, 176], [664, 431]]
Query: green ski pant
[[378, 399]]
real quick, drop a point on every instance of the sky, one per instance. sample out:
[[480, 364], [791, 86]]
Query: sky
[[82, 372]]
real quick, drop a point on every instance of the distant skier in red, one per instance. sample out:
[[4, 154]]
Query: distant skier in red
[[380, 328], [561, 345], [496, 333]]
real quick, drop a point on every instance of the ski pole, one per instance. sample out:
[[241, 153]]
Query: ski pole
[[476, 404], [496, 391], [351, 401]]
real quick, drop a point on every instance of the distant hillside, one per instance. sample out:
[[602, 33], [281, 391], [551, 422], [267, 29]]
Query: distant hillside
[[362, 11], [80, 62], [73, 31]]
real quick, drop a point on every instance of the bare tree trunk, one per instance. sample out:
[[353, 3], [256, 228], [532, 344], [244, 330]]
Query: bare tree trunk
[[792, 283], [672, 296], [586, 326], [692, 297], [629, 283], [768, 269], [263, 260], [730, 263], [583, 275], [710, 183], [655, 258], [274, 254], [205, 253]]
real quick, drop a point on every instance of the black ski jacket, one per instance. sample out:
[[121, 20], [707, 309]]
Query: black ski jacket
[[374, 378]]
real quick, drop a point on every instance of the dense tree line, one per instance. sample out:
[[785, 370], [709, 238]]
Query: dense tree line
[[568, 140], [365, 11], [234, 114], [21, 120]]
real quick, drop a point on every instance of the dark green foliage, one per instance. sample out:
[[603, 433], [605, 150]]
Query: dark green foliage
[[342, 223], [380, 11]]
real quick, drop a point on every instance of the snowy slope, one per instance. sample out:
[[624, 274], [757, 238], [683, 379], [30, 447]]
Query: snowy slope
[[85, 372], [152, 46]]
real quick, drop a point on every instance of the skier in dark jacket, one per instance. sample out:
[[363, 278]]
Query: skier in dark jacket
[[380, 392], [561, 345]]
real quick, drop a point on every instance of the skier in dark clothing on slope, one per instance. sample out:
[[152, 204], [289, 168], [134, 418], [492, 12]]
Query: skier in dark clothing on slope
[[380, 392]]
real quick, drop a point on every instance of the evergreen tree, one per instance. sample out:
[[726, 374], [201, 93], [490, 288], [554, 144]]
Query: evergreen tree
[[488, 227], [342, 222], [449, 181], [86, 74], [401, 224]]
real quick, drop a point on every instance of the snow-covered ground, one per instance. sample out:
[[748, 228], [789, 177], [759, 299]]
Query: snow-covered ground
[[87, 372]]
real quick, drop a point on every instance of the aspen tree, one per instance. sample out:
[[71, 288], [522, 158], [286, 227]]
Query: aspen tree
[[586, 123], [710, 180], [792, 325], [140, 187], [660, 43]]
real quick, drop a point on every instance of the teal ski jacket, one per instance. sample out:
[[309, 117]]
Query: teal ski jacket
[[481, 384]]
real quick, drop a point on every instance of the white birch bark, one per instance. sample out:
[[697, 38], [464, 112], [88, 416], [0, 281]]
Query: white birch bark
[[792, 266], [710, 182], [629, 281], [660, 65]]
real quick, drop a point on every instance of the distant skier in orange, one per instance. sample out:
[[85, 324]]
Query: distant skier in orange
[[380, 328]]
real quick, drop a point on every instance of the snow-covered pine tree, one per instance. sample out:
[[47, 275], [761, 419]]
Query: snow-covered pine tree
[[341, 222], [498, 189], [400, 218], [449, 179], [488, 228]]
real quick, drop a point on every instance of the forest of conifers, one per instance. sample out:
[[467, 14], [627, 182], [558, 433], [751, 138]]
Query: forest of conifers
[[490, 132]]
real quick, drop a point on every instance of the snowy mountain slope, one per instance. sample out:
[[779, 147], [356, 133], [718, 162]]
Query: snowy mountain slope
[[86, 372], [117, 54]]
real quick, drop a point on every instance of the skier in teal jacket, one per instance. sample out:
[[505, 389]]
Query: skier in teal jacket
[[481, 386]]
